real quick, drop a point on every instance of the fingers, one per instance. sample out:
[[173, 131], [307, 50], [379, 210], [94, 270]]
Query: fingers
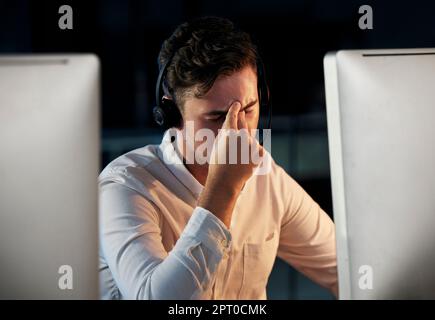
[[258, 146], [257, 152], [260, 150], [232, 116], [242, 121]]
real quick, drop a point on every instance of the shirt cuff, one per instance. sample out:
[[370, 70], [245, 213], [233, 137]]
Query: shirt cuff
[[210, 230]]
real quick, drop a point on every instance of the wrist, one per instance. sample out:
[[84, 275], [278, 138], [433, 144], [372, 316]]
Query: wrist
[[224, 187], [219, 201]]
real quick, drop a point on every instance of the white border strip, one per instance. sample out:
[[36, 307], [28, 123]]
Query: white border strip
[[337, 173]]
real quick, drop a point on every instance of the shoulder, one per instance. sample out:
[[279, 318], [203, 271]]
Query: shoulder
[[277, 176], [131, 166], [281, 186]]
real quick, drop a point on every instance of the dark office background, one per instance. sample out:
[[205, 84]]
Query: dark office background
[[293, 36]]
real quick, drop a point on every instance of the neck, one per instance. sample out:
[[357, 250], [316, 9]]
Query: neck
[[200, 172]]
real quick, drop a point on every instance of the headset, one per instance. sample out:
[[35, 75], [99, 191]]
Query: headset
[[167, 115]]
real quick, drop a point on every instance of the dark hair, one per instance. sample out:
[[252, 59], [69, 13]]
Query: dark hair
[[201, 51]]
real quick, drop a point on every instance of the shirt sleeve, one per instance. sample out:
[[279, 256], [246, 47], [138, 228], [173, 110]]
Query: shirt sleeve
[[307, 237], [130, 239]]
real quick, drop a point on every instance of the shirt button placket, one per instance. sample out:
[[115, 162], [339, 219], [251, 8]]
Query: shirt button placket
[[222, 268]]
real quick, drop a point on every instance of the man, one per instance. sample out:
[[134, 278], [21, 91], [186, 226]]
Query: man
[[177, 229]]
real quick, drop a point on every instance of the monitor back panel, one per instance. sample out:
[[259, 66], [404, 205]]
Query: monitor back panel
[[49, 163], [381, 126]]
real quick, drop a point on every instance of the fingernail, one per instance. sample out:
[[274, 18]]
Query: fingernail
[[236, 104]]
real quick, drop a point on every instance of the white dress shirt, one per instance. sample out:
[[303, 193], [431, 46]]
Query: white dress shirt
[[156, 243]]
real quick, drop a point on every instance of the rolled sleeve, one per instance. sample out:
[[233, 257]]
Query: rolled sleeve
[[209, 230], [131, 242]]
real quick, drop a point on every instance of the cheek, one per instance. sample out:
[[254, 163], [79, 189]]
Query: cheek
[[202, 124], [195, 121], [252, 120]]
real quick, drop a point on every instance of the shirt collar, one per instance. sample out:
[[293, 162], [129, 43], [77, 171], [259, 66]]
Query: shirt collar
[[169, 153]]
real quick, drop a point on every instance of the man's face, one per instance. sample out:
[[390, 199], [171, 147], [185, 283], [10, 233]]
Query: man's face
[[210, 110]]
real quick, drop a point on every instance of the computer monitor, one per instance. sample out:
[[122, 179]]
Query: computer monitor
[[381, 127], [49, 164]]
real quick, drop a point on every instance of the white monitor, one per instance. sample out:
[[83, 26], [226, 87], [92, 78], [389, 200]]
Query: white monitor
[[49, 164], [381, 127]]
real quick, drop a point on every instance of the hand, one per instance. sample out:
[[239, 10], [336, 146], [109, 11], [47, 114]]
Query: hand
[[231, 165], [231, 161]]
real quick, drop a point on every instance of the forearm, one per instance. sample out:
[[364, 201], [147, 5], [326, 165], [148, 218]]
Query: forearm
[[189, 271], [220, 200], [186, 272]]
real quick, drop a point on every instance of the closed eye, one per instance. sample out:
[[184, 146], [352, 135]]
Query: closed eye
[[216, 118], [219, 115], [249, 109]]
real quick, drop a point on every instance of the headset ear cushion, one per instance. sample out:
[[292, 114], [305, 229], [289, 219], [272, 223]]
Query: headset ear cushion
[[267, 93], [263, 88], [264, 94], [172, 114]]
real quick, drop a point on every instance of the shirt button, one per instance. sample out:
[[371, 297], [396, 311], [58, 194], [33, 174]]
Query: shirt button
[[224, 243], [225, 256]]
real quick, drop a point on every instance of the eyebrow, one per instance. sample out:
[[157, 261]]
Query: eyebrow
[[223, 112]]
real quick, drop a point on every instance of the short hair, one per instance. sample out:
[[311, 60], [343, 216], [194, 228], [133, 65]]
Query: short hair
[[200, 52]]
